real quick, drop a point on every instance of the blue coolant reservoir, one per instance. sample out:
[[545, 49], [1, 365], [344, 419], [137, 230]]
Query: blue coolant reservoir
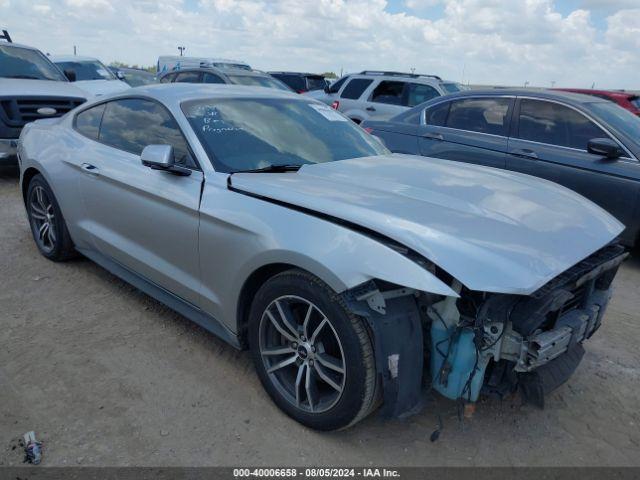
[[459, 362]]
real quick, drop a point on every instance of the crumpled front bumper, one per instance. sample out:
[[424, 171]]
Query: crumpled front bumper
[[533, 342]]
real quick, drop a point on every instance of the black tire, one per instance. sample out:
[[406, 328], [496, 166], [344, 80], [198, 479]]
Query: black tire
[[56, 245], [357, 397]]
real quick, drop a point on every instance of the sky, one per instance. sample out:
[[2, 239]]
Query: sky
[[571, 43]]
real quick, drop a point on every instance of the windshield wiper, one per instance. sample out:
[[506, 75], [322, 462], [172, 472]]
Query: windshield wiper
[[272, 169]]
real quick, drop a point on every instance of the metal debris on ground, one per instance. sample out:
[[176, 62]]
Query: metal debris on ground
[[32, 449]]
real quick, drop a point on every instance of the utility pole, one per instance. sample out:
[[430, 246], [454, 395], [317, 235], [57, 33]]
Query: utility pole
[[182, 49], [75, 51]]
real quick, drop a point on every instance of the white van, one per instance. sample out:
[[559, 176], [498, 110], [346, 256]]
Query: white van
[[170, 63]]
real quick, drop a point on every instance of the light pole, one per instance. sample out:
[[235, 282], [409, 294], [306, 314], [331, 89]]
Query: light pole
[[182, 49]]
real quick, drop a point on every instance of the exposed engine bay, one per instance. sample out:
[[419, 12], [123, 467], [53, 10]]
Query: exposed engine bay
[[485, 343]]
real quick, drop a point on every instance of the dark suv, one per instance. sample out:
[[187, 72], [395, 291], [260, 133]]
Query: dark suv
[[585, 143], [301, 82]]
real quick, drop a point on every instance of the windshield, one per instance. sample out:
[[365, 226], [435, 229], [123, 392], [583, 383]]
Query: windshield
[[16, 62], [246, 134], [618, 118], [635, 101], [258, 81], [451, 87], [88, 70]]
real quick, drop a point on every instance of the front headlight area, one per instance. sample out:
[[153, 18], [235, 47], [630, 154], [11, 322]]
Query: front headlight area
[[497, 344], [482, 343]]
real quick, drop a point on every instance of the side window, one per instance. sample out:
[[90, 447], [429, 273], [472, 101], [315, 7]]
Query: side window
[[168, 78], [335, 86], [482, 115], [555, 124], [188, 77], [437, 115], [88, 122], [132, 124], [294, 81], [211, 78], [388, 92], [418, 93], [355, 87]]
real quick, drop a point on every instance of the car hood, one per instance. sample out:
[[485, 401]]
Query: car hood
[[102, 87], [10, 87], [493, 230]]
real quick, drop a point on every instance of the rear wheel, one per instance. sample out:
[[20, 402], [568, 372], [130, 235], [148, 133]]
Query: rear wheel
[[313, 356], [47, 224]]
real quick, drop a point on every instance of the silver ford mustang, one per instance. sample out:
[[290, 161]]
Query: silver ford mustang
[[350, 273]]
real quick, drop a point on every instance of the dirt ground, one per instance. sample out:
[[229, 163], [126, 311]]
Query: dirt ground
[[105, 375]]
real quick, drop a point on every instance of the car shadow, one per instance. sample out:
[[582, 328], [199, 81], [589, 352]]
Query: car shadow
[[9, 173]]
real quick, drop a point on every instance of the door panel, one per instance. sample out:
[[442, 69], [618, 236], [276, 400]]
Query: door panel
[[611, 184], [146, 220], [471, 130], [559, 154], [384, 100], [468, 147]]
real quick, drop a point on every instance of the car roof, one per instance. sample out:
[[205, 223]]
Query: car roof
[[19, 45], [173, 94], [569, 97], [72, 58], [303, 74], [222, 71], [401, 76], [609, 93]]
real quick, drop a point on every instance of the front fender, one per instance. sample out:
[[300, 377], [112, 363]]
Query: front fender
[[241, 234]]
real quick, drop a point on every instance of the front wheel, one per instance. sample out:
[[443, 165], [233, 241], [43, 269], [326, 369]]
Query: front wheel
[[313, 356]]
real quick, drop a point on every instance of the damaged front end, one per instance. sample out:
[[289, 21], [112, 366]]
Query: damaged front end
[[484, 343]]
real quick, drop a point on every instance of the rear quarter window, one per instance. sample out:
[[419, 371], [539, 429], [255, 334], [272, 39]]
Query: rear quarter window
[[355, 87], [337, 85], [88, 121]]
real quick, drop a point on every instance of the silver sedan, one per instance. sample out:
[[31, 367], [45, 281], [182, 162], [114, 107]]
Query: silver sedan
[[352, 274]]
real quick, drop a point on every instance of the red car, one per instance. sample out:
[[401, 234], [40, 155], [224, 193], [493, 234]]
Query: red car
[[628, 100]]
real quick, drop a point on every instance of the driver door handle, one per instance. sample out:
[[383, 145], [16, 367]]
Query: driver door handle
[[87, 167], [370, 109], [433, 136], [525, 153]]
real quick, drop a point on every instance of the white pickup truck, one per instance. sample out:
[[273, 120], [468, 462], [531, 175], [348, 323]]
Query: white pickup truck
[[31, 88]]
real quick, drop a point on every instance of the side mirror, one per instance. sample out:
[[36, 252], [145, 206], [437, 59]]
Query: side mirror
[[326, 88], [70, 74], [161, 157], [604, 147], [119, 75]]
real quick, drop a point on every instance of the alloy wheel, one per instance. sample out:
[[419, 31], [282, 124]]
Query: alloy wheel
[[302, 353], [43, 219]]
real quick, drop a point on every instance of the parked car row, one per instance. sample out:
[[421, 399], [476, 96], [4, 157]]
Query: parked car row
[[354, 262]]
